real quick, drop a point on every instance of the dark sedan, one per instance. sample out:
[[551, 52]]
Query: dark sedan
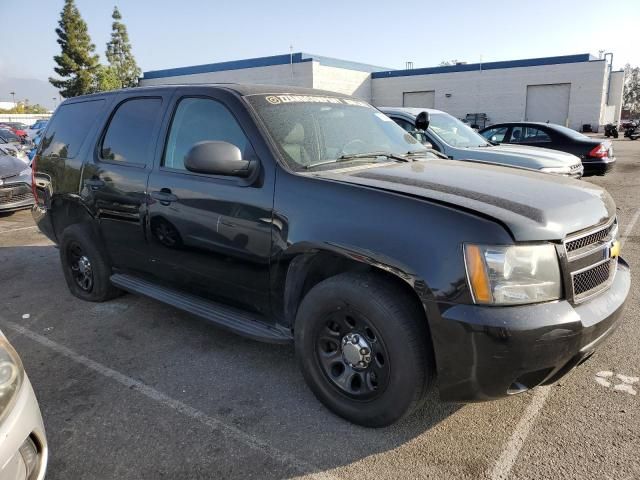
[[596, 155]]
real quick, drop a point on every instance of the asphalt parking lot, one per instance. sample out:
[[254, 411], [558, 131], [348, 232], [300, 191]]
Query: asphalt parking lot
[[134, 389]]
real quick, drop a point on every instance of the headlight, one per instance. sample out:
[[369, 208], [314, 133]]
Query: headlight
[[11, 376], [561, 170], [513, 274]]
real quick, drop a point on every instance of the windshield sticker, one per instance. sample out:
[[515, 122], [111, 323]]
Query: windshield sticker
[[285, 99]]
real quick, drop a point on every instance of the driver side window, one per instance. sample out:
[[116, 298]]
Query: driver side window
[[202, 119]]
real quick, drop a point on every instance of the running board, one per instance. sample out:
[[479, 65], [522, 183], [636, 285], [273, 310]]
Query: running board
[[233, 319]]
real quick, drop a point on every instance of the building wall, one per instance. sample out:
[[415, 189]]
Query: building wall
[[615, 93], [502, 93], [342, 80], [296, 74]]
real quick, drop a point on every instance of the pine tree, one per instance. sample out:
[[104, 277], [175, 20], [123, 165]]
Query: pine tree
[[119, 53], [77, 63]]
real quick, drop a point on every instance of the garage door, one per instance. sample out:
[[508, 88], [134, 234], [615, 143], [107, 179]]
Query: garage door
[[419, 99], [548, 103]]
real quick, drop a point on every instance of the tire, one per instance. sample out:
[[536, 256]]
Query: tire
[[393, 381], [86, 269]]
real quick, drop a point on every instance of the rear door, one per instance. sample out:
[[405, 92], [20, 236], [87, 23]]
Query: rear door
[[210, 235], [114, 184]]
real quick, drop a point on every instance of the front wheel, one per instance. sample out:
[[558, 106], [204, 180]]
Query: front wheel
[[364, 349]]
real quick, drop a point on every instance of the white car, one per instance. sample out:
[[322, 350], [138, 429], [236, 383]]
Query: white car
[[23, 444]]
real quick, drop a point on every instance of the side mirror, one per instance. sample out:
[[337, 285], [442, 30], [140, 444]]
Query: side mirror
[[217, 158], [422, 121]]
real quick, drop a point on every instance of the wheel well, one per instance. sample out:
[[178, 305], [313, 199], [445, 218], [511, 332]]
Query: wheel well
[[68, 213], [307, 270]]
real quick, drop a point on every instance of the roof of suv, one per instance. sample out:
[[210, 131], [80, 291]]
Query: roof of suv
[[239, 88]]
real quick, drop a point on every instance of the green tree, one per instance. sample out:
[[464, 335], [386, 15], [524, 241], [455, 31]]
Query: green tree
[[107, 79], [119, 54], [631, 98], [77, 63]]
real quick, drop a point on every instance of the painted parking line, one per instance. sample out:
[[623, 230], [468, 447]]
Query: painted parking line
[[511, 450], [213, 423], [18, 229]]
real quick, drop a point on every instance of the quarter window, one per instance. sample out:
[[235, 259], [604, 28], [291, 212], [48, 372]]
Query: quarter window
[[202, 119], [69, 127], [129, 136]]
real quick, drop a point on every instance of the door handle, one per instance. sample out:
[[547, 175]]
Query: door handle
[[164, 196], [94, 183]]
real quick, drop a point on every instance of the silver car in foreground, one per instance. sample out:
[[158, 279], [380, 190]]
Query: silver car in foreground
[[458, 141], [23, 444]]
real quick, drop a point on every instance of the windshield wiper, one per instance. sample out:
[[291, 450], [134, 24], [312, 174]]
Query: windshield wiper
[[356, 156]]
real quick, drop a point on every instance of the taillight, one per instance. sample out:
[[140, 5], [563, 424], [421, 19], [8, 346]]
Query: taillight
[[600, 151], [34, 190]]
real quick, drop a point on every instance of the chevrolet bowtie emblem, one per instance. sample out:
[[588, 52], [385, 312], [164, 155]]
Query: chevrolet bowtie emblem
[[615, 249]]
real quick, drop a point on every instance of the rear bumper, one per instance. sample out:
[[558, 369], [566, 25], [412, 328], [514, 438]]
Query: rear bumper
[[598, 166], [484, 353]]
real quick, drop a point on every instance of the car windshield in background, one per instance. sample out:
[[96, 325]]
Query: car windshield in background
[[311, 130], [454, 132]]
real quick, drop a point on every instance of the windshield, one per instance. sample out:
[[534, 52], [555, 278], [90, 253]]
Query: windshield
[[454, 132], [315, 129]]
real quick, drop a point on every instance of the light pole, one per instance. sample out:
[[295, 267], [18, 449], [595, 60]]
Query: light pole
[[54, 102], [13, 94]]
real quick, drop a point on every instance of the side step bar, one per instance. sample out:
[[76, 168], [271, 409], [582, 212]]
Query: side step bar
[[230, 318]]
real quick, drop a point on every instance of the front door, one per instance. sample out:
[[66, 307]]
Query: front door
[[210, 235]]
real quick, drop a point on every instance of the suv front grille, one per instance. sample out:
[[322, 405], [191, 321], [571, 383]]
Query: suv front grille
[[589, 280], [591, 268], [589, 239]]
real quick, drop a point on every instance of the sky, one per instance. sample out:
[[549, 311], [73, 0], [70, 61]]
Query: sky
[[170, 33]]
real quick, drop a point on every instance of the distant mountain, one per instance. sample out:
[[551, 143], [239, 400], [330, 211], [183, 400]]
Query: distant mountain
[[33, 89]]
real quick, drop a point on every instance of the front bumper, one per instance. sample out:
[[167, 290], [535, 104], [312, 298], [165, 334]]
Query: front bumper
[[15, 196], [23, 422], [484, 353]]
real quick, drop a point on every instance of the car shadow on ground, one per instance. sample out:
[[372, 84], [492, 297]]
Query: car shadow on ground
[[243, 384]]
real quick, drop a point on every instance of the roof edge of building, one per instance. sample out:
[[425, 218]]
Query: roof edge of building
[[298, 57], [470, 67]]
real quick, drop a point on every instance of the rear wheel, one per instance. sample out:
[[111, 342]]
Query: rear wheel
[[86, 270], [364, 348]]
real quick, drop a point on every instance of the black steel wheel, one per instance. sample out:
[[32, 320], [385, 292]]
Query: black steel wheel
[[352, 354], [85, 266], [363, 347], [80, 266]]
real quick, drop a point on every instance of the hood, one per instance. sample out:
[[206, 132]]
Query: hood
[[521, 156], [532, 205], [10, 166]]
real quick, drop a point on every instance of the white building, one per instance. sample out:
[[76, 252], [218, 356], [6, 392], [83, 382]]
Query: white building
[[572, 90]]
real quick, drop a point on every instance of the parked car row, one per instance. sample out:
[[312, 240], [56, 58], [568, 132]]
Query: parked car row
[[458, 141], [301, 216]]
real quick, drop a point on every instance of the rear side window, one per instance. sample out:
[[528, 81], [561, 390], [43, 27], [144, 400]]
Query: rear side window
[[129, 136], [69, 127]]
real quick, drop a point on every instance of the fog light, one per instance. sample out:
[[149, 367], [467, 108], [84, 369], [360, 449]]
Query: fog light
[[30, 457]]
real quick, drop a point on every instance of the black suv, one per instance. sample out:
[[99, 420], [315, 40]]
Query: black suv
[[296, 215]]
